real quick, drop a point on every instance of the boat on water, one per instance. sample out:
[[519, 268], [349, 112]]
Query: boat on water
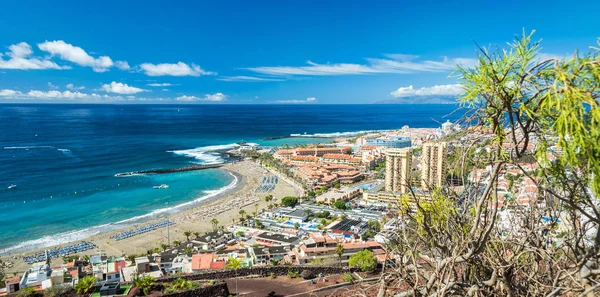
[[163, 186], [12, 186]]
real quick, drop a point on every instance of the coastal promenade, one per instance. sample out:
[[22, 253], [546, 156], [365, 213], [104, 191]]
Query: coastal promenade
[[224, 207]]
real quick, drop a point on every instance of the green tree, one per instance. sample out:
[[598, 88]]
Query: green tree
[[164, 246], [289, 201], [268, 198], [176, 242], [374, 226], [26, 292], [85, 285], [215, 224], [242, 213], [235, 264], [363, 260], [144, 283], [296, 225], [339, 250], [538, 116], [187, 235], [340, 204], [197, 234], [58, 290]]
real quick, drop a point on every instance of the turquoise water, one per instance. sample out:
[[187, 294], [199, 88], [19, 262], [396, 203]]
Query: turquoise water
[[63, 158]]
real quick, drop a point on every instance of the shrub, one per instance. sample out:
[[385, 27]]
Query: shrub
[[144, 283], [211, 282], [26, 292], [347, 277], [272, 275], [307, 274], [289, 201], [293, 273], [58, 291]]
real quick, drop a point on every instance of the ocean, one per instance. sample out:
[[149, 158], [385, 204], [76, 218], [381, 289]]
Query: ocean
[[63, 158]]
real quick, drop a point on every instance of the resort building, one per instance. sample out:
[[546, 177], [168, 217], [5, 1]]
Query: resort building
[[321, 249], [275, 239], [321, 151], [108, 270], [212, 241], [263, 255], [398, 168], [433, 165], [395, 142]]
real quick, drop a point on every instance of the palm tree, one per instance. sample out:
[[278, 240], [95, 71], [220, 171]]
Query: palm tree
[[339, 250], [235, 264], [144, 283], [187, 235], [268, 198], [85, 285], [176, 242], [255, 208], [242, 213], [215, 223], [308, 212], [197, 234], [164, 246]]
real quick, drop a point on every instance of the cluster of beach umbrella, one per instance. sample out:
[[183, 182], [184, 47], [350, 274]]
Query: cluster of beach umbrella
[[141, 230], [59, 252], [267, 184]]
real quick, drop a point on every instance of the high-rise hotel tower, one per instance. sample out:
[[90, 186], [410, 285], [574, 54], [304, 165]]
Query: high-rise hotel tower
[[397, 170]]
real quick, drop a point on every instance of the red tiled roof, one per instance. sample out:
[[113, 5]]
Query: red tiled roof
[[202, 261], [217, 265], [337, 156]]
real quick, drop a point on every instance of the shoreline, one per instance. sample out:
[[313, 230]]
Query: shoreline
[[116, 227], [192, 216]]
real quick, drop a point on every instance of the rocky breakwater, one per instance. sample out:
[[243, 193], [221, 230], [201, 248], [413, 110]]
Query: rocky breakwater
[[170, 170]]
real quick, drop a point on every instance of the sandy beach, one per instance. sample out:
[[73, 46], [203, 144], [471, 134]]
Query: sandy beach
[[224, 207]]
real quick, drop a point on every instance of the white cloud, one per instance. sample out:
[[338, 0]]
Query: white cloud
[[395, 63], [217, 97], [59, 95], [188, 98], [161, 85], [75, 54], [121, 88], [20, 58], [402, 57], [123, 65], [179, 69], [166, 90], [73, 87], [440, 90], [8, 93], [308, 100], [247, 78], [51, 86]]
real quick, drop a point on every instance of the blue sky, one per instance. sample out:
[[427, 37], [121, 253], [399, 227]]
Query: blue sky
[[263, 52]]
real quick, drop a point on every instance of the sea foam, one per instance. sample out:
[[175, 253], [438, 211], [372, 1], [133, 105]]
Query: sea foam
[[207, 154]]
